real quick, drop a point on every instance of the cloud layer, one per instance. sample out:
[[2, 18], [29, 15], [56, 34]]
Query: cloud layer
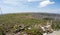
[[45, 3], [23, 5], [42, 3]]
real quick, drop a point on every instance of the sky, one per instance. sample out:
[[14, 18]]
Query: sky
[[22, 6]]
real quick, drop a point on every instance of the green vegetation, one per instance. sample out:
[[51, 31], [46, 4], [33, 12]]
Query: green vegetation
[[56, 25], [8, 21]]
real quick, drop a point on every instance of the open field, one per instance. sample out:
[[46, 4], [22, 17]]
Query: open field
[[10, 22]]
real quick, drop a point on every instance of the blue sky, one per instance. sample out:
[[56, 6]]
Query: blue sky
[[19, 6]]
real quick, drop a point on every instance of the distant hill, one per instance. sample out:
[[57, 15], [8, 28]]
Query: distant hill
[[46, 15], [41, 15]]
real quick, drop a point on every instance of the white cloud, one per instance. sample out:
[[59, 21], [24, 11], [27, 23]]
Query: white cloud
[[34, 0], [45, 3], [22, 5], [12, 2]]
